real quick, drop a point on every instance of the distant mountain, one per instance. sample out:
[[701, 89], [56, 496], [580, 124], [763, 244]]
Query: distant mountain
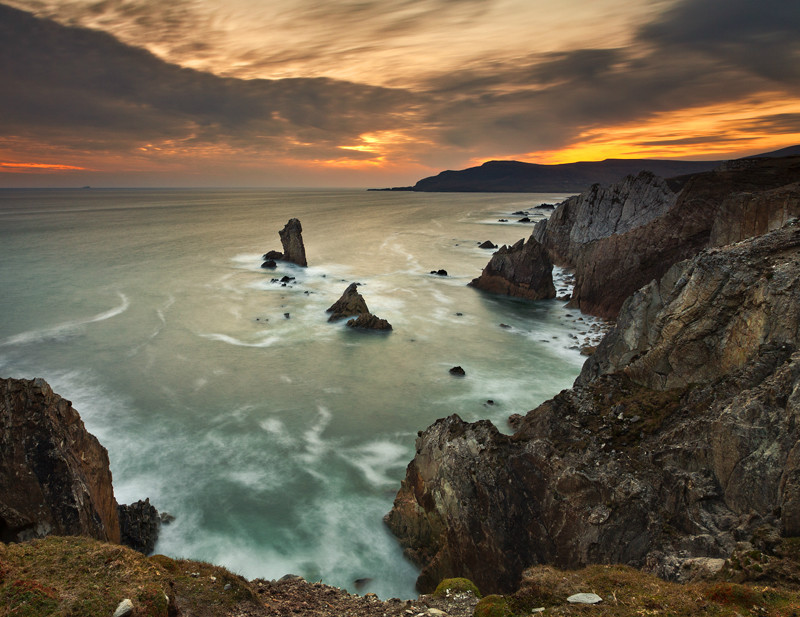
[[518, 177]]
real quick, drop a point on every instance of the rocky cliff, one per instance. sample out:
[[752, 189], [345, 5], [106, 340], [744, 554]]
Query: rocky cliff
[[602, 211], [711, 209], [54, 475], [680, 439], [523, 270]]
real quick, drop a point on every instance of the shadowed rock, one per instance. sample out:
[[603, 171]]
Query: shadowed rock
[[523, 270], [139, 525], [369, 322], [54, 474], [292, 241], [350, 304]]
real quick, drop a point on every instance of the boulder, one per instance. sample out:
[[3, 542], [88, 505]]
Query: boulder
[[350, 304], [458, 371], [270, 263], [488, 245], [441, 272], [292, 241], [54, 474], [275, 255], [678, 441], [523, 270], [369, 322], [139, 525]]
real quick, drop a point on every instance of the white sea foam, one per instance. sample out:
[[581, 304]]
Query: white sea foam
[[67, 328], [267, 341], [375, 460]]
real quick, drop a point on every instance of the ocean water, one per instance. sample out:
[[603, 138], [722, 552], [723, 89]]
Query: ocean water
[[276, 439]]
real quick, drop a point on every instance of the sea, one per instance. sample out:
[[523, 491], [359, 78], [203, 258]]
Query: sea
[[276, 439]]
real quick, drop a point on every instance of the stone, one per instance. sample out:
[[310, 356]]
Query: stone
[[523, 270], [350, 304], [125, 609], [439, 272], [369, 322], [54, 474], [524, 219], [458, 371], [584, 598], [277, 255], [292, 241], [270, 263], [139, 525], [488, 245]]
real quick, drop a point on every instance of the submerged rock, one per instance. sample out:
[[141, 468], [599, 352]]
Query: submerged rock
[[292, 241], [488, 245], [523, 270], [350, 304]]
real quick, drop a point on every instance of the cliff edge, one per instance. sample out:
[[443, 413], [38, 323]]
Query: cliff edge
[[679, 441]]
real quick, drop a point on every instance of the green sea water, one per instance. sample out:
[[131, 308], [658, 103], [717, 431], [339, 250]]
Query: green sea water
[[276, 439]]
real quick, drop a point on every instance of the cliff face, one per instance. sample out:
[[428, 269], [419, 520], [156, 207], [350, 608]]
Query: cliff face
[[679, 440], [712, 209], [54, 475], [603, 211], [522, 270]]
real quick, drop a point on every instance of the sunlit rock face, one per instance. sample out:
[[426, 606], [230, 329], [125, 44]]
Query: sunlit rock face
[[523, 271], [54, 475], [679, 440], [622, 237]]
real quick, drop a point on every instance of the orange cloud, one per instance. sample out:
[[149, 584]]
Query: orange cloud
[[739, 128], [33, 167]]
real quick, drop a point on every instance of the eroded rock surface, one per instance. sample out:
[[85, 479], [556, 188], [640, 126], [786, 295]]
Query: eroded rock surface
[[350, 304], [714, 208], [139, 525], [523, 270], [369, 322], [54, 475], [653, 459], [292, 240]]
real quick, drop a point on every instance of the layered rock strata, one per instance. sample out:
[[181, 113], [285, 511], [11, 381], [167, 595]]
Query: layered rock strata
[[522, 270], [139, 526], [54, 475], [679, 441], [615, 255]]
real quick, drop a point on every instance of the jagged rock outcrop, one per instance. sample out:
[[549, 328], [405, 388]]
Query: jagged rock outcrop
[[603, 211], [713, 208], [54, 475], [369, 322], [350, 304], [139, 524], [707, 316], [652, 459], [523, 270], [292, 241]]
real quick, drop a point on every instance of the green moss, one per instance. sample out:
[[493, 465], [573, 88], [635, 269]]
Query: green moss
[[456, 585], [28, 598], [493, 606]]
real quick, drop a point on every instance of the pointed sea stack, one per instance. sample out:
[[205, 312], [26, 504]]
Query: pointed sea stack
[[292, 241], [351, 304]]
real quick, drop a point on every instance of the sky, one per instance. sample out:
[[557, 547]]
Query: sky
[[372, 93]]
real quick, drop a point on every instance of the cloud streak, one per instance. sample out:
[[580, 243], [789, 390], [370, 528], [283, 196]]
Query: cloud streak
[[78, 94]]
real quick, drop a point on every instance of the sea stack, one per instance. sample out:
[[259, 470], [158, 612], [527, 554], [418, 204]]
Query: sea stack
[[350, 304], [523, 270], [292, 241]]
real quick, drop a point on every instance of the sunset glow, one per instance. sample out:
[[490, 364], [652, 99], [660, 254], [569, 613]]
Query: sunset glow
[[294, 92]]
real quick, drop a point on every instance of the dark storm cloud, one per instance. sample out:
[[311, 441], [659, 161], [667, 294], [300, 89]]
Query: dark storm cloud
[[87, 89], [698, 53]]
